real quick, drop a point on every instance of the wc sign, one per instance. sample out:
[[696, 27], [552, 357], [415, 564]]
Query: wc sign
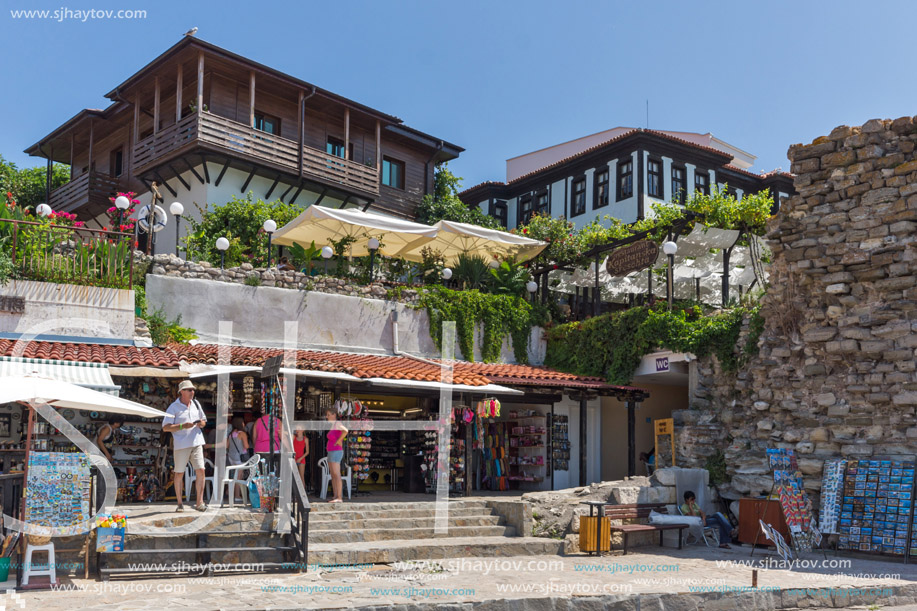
[[662, 364]]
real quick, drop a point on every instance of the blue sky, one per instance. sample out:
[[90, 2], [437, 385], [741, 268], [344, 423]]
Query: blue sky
[[502, 78]]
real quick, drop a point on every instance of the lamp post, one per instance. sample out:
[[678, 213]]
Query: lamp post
[[373, 247], [177, 210], [222, 245], [327, 253], [670, 248], [447, 273], [43, 210], [122, 204], [270, 227], [531, 286]]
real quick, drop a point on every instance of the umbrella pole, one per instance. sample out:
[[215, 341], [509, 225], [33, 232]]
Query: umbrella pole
[[25, 475]]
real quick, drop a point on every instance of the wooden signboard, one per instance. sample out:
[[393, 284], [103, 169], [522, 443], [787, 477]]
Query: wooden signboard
[[663, 427], [632, 258]]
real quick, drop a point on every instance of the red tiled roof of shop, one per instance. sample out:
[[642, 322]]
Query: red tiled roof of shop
[[357, 365], [121, 356]]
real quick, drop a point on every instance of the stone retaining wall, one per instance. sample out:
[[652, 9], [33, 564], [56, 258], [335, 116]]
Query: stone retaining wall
[[836, 373], [170, 265]]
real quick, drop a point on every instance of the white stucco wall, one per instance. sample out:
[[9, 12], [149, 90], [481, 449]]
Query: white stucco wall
[[70, 310], [325, 321]]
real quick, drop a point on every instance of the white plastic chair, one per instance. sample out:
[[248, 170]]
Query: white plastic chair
[[326, 477], [234, 478], [710, 533], [29, 570], [191, 477]]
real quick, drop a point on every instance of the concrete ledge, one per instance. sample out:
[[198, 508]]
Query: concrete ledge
[[517, 514]]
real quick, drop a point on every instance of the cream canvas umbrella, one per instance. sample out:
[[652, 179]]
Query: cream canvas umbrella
[[325, 225], [34, 389], [453, 239]]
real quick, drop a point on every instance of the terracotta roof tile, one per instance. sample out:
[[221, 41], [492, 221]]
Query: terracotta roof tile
[[357, 365]]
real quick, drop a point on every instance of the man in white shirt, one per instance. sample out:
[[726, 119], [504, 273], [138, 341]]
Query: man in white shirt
[[184, 419]]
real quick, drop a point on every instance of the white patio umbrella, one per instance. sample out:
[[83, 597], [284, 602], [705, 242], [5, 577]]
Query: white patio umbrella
[[453, 239], [59, 394], [325, 225]]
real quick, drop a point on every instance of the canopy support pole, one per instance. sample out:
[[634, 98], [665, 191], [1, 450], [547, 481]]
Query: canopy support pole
[[596, 295], [583, 404], [631, 439]]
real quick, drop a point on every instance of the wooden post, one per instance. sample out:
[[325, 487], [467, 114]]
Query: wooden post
[[156, 93], [91, 138], [71, 155], [302, 128], [346, 133], [136, 118], [48, 178], [726, 253], [25, 466], [379, 149], [583, 405], [632, 439], [200, 83], [251, 99], [178, 88]]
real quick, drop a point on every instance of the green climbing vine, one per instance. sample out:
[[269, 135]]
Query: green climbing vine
[[611, 346], [500, 315]]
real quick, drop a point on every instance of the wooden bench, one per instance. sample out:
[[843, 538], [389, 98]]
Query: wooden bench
[[640, 511]]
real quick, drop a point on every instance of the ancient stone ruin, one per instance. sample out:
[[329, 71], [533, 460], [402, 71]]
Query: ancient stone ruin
[[836, 373]]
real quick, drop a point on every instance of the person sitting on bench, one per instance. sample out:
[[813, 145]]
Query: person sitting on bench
[[690, 508]]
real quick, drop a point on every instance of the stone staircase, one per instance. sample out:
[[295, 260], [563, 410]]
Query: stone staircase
[[376, 533]]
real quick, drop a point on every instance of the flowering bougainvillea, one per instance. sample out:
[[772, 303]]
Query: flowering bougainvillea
[[126, 222]]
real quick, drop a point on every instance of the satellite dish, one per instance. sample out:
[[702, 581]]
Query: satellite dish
[[160, 219]]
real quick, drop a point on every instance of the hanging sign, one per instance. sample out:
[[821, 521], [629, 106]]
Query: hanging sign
[[271, 366], [632, 258]]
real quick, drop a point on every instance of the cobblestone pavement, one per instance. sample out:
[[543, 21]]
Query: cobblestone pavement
[[540, 581]]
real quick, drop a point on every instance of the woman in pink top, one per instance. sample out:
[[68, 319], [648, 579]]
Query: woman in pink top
[[261, 439], [335, 454]]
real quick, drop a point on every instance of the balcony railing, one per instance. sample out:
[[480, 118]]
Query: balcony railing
[[240, 139], [69, 255], [89, 188]]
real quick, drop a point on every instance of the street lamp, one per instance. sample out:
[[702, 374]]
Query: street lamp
[[531, 286], [43, 210], [670, 248], [327, 253], [373, 247], [447, 273], [177, 210], [122, 204], [222, 245], [270, 227], [494, 264]]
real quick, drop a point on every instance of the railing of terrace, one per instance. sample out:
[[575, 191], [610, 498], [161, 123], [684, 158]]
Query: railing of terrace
[[69, 255]]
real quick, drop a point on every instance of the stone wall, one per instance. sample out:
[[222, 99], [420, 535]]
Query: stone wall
[[836, 373], [172, 266]]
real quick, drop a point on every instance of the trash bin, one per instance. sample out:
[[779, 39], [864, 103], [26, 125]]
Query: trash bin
[[587, 534]]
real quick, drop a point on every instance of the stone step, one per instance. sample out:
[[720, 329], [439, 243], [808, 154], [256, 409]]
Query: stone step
[[318, 506], [386, 552], [403, 513], [411, 534], [398, 523], [254, 548]]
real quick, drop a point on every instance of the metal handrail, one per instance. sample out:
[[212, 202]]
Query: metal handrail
[[300, 523], [113, 236]]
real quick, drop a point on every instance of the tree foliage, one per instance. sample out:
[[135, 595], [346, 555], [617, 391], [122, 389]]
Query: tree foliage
[[27, 185], [240, 221], [444, 204]]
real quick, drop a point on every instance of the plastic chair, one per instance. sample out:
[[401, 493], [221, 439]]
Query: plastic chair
[[30, 571], [710, 533], [234, 478], [326, 477], [191, 478]]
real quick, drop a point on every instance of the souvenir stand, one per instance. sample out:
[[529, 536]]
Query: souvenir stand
[[57, 486], [795, 504], [870, 505]]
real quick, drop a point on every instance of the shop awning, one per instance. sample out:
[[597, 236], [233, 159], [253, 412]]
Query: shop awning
[[35, 389], [324, 225], [453, 239], [88, 375], [490, 389], [205, 371]]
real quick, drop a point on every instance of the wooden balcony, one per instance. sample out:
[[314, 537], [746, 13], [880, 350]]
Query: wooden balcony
[[91, 189], [239, 140]]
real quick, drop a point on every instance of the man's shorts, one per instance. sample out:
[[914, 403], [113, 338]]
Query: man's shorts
[[195, 455]]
